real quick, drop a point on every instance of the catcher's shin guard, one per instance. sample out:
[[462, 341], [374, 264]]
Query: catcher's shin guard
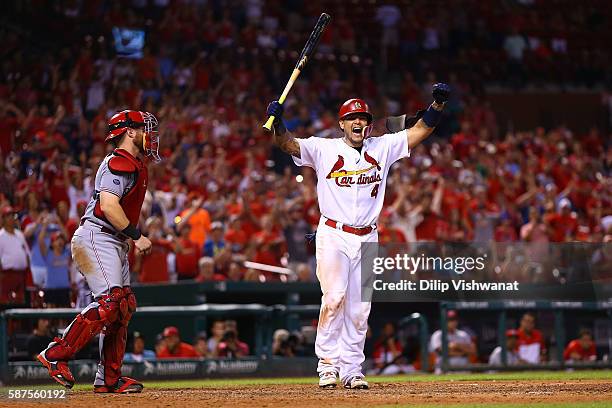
[[112, 344], [85, 326], [81, 330]]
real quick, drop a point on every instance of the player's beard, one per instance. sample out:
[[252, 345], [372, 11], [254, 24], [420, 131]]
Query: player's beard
[[140, 143]]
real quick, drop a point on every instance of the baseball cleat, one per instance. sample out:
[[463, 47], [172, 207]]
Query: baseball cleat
[[327, 379], [125, 385], [357, 383], [58, 370]]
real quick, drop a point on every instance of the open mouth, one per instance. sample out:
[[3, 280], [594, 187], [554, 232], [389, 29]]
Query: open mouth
[[357, 130]]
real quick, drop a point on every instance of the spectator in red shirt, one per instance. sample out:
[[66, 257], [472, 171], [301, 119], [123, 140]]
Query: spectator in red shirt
[[464, 140], [187, 254], [30, 186], [581, 349], [563, 224], [529, 337], [505, 231], [235, 237], [174, 347], [388, 233], [55, 172], [206, 271], [427, 229], [270, 243], [153, 267]]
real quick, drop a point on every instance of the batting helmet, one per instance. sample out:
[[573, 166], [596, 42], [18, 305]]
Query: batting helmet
[[121, 121], [355, 105]]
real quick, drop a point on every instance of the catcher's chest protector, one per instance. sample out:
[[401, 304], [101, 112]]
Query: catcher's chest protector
[[131, 202]]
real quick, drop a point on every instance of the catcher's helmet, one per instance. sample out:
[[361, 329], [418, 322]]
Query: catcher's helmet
[[121, 121], [355, 105]]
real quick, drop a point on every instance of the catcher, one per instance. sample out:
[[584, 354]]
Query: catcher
[[99, 249]]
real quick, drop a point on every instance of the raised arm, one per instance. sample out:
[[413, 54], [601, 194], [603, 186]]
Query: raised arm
[[42, 235], [427, 123], [282, 138]]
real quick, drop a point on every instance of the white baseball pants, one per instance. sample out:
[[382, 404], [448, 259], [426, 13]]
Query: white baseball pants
[[343, 319]]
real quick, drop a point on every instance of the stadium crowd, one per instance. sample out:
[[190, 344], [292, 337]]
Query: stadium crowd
[[224, 194]]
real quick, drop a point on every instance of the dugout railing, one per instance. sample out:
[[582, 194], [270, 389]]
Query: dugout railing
[[267, 318], [501, 308], [260, 313], [263, 363]]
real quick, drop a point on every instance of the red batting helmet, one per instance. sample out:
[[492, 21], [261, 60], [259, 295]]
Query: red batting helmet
[[355, 105], [121, 121]]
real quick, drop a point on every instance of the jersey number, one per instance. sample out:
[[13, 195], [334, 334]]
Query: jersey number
[[375, 191]]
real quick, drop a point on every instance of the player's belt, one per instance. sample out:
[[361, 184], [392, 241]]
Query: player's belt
[[347, 228], [105, 230]]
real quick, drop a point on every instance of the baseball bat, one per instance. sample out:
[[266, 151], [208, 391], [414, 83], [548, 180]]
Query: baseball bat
[[309, 48]]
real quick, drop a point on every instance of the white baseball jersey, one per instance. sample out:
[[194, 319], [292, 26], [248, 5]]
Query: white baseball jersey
[[351, 185], [14, 250], [458, 336], [351, 190]]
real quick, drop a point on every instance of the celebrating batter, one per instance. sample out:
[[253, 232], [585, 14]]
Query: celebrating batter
[[99, 250], [352, 173]]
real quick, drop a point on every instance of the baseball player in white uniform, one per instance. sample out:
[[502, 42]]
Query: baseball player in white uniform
[[352, 173]]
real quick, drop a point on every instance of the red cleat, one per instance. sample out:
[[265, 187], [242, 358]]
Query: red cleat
[[125, 385], [58, 370]]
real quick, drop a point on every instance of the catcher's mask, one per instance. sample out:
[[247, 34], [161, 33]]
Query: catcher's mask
[[121, 121]]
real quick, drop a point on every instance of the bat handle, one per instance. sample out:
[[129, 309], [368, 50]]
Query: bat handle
[[269, 123], [281, 100]]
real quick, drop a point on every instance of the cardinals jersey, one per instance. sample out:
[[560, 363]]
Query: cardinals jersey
[[351, 185]]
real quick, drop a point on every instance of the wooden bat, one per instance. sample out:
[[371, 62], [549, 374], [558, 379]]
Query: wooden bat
[[308, 50]]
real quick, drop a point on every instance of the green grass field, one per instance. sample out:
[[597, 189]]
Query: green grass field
[[534, 375], [508, 376]]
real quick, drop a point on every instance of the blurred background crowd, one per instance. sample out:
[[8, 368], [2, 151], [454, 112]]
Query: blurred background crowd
[[224, 195]]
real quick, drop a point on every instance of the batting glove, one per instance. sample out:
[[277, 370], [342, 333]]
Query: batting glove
[[275, 109], [440, 92]]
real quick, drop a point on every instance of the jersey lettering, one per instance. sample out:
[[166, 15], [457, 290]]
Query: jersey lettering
[[345, 178], [351, 183], [375, 191]]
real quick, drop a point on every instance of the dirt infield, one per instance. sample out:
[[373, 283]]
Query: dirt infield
[[445, 393]]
